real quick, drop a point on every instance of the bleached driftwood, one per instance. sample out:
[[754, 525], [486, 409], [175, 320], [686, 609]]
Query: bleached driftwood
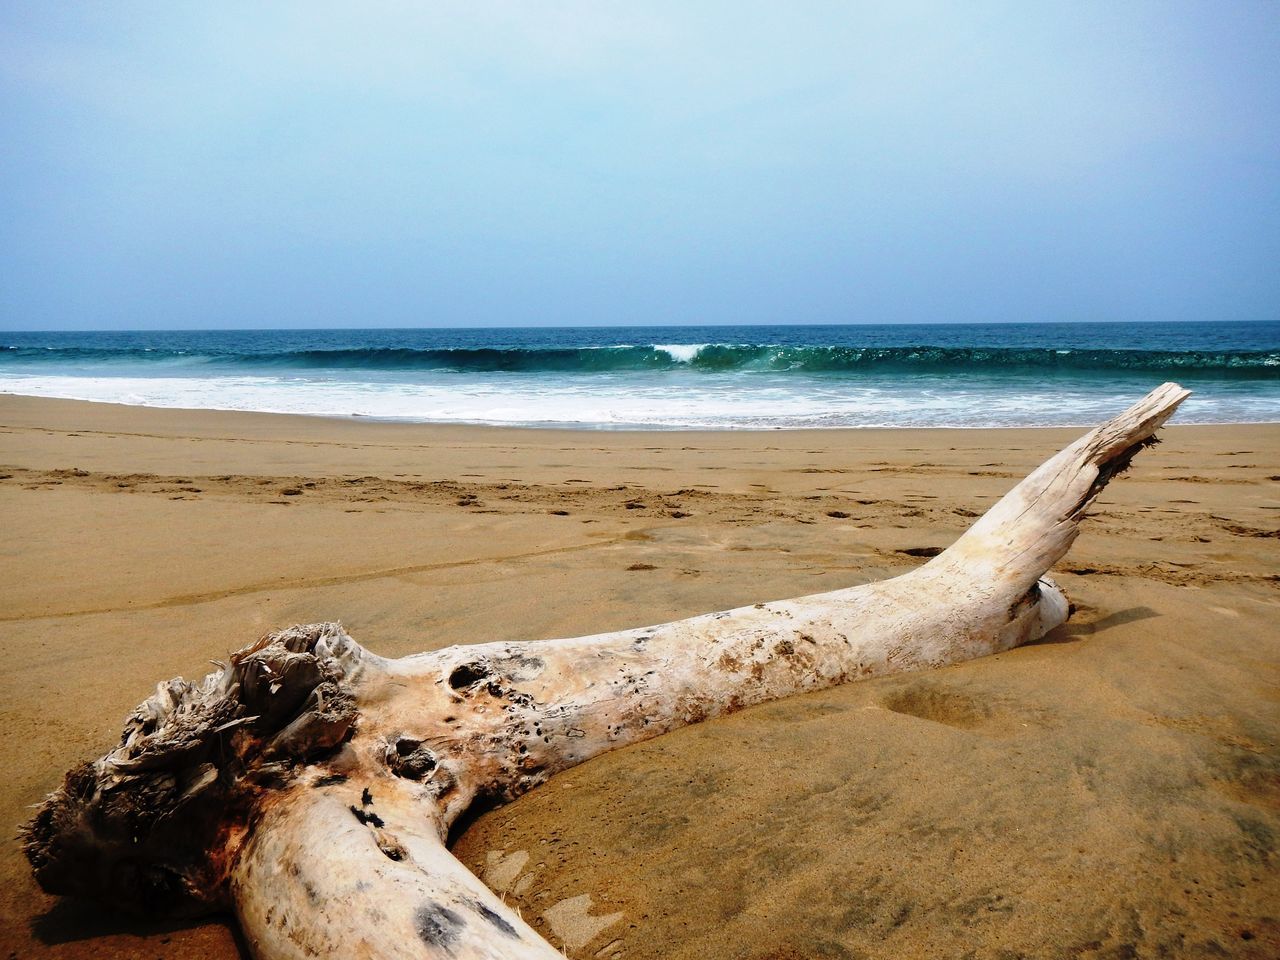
[[309, 785]]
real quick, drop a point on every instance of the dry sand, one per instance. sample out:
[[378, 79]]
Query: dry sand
[[1111, 792]]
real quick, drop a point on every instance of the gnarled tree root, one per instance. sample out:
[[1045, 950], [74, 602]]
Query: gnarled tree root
[[309, 785]]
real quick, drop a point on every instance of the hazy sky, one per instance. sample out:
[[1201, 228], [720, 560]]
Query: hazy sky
[[402, 164]]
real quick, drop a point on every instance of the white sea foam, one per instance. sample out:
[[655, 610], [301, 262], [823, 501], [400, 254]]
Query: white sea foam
[[681, 352], [663, 400]]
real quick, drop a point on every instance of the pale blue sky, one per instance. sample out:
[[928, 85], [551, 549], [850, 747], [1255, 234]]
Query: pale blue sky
[[495, 164]]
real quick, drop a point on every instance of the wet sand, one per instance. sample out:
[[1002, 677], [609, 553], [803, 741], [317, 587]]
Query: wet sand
[[1113, 791]]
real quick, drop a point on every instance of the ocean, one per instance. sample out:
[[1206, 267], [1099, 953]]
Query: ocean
[[721, 377]]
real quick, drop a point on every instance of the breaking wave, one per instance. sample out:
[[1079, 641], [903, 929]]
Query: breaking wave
[[717, 357]]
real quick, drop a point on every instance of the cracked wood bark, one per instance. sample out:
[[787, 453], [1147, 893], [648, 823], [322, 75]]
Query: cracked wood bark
[[309, 785]]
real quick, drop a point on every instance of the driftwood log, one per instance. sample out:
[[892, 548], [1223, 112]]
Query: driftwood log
[[309, 785]]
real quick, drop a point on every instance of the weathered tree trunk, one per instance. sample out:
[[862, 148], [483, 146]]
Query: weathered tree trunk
[[310, 785]]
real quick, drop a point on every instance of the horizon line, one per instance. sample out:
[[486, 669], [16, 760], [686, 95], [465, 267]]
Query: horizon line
[[632, 326]]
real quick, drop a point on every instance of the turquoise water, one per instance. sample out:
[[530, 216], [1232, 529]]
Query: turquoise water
[[717, 377]]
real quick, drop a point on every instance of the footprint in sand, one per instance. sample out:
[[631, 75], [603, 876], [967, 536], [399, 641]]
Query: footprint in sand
[[502, 868], [574, 926], [570, 920], [953, 708]]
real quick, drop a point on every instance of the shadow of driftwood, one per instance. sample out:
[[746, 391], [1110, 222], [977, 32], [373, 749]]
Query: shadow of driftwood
[[1072, 630], [70, 920]]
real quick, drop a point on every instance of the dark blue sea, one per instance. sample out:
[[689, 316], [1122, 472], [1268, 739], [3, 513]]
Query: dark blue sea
[[961, 375]]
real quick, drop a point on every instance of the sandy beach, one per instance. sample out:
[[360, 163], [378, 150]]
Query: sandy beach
[[1110, 792]]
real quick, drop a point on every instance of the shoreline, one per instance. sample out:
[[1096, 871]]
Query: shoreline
[[1111, 790], [592, 427]]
